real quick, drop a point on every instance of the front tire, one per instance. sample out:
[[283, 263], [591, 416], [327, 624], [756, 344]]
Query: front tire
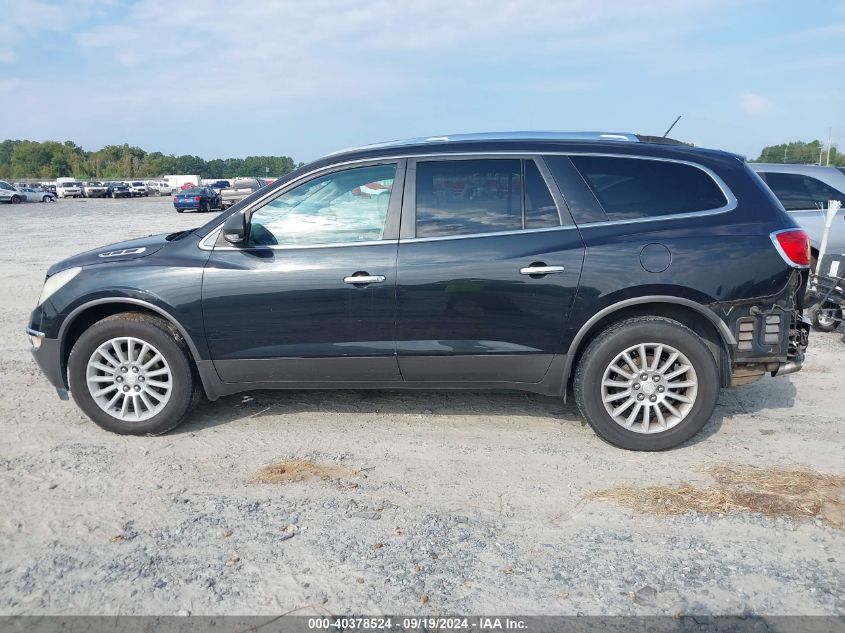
[[131, 375], [647, 384], [16, 200]]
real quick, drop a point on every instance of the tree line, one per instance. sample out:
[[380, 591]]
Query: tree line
[[801, 153], [48, 160], [22, 160]]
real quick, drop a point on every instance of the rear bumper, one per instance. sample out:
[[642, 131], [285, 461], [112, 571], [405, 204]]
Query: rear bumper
[[48, 355]]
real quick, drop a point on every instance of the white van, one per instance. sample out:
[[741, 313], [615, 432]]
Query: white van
[[68, 188]]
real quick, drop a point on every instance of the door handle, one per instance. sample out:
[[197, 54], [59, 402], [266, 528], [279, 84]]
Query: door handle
[[362, 279], [540, 269]]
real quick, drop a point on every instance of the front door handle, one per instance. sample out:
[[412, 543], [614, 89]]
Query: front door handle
[[362, 279], [540, 269]]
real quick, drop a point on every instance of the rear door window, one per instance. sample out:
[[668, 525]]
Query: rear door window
[[791, 190], [468, 197], [635, 188]]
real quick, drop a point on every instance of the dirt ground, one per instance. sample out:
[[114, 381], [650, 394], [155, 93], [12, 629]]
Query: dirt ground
[[385, 502]]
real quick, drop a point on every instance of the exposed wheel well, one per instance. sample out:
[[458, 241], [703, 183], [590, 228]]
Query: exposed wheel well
[[694, 320], [91, 315]]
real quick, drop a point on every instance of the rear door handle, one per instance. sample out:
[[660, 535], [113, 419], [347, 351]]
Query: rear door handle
[[363, 279], [535, 269]]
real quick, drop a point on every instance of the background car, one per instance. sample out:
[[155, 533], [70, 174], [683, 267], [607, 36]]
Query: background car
[[8, 193], [138, 189], [220, 184], [69, 189], [159, 188], [34, 195], [94, 189], [805, 191], [240, 189], [118, 190], [197, 199]]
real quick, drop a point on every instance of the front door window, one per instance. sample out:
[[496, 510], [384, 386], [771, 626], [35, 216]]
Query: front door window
[[340, 207]]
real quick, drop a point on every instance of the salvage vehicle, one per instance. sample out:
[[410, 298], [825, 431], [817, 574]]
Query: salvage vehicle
[[640, 274], [68, 188], [95, 189], [118, 190], [240, 189], [34, 195], [197, 199], [138, 189], [805, 191], [8, 193]]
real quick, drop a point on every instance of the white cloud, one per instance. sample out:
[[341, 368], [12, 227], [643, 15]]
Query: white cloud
[[754, 105]]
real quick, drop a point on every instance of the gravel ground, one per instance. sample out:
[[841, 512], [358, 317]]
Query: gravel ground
[[453, 502]]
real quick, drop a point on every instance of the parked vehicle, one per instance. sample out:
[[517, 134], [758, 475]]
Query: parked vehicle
[[197, 199], [220, 184], [138, 189], [95, 189], [177, 181], [8, 193], [31, 194], [240, 189], [164, 188], [68, 188], [641, 275], [118, 190], [805, 191], [187, 185]]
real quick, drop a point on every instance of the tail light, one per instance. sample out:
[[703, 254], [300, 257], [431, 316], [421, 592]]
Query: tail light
[[794, 246], [197, 198]]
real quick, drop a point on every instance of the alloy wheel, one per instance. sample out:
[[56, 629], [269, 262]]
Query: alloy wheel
[[649, 388], [129, 379]]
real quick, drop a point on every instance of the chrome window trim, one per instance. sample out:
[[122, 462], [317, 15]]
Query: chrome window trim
[[440, 238], [215, 235], [730, 206]]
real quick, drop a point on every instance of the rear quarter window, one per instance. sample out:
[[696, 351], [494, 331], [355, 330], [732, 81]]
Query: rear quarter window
[[635, 188]]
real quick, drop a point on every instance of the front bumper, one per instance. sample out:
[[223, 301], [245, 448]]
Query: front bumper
[[48, 355]]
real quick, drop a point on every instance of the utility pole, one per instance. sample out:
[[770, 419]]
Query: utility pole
[[784, 155], [829, 134]]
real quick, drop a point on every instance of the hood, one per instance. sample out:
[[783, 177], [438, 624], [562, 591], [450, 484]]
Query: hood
[[121, 251]]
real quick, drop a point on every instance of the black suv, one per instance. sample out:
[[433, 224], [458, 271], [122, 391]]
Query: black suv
[[643, 274]]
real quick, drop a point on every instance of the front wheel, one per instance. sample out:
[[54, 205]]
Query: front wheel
[[130, 375], [16, 200], [647, 384]]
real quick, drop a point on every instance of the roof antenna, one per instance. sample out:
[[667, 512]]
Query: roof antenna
[[665, 134]]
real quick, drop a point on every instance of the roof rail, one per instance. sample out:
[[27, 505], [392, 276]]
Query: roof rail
[[502, 136]]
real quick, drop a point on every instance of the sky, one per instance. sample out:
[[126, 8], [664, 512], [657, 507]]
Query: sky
[[220, 78]]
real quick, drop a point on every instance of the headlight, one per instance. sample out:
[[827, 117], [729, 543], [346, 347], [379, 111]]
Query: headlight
[[52, 284]]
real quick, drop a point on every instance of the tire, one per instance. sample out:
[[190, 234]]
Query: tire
[[828, 317], [15, 200], [658, 335], [170, 387], [179, 210]]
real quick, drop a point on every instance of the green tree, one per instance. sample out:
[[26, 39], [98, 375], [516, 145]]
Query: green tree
[[800, 152]]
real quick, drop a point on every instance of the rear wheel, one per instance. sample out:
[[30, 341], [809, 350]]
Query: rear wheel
[[130, 375], [828, 317], [647, 384]]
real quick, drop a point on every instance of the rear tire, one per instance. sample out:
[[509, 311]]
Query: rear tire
[[828, 317], [144, 386], [664, 409]]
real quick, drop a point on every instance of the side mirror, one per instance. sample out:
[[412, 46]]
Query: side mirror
[[236, 229]]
